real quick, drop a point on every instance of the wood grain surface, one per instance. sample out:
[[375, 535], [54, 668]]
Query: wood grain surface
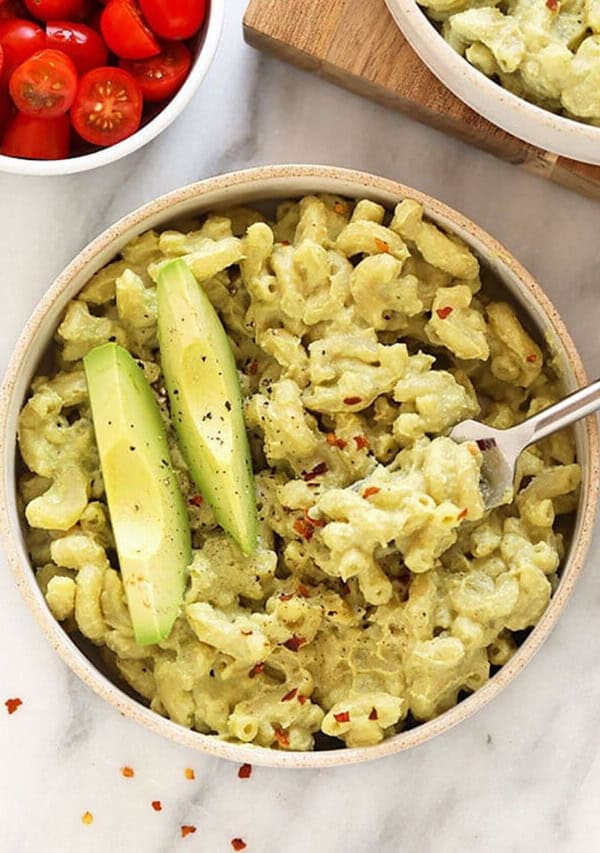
[[356, 44]]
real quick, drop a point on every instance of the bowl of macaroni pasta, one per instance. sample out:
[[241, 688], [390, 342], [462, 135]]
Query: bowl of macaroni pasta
[[383, 604], [529, 66]]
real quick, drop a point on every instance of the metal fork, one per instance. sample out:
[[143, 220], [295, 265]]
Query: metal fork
[[501, 448]]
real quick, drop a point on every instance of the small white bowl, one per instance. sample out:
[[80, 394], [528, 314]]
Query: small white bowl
[[550, 132], [206, 48], [258, 186]]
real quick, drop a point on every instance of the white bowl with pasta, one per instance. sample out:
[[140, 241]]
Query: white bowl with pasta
[[547, 130], [260, 186]]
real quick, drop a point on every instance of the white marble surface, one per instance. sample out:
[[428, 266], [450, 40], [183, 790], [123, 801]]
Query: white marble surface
[[521, 776]]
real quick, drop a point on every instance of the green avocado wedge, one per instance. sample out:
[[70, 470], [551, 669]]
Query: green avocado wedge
[[147, 511], [206, 401]]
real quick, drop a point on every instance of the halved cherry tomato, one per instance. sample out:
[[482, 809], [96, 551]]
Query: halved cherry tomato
[[55, 10], [37, 138], [82, 44], [174, 19], [19, 40], [45, 84], [108, 106], [161, 76], [125, 32]]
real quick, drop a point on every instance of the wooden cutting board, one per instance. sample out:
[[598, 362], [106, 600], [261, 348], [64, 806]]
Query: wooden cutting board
[[356, 44]]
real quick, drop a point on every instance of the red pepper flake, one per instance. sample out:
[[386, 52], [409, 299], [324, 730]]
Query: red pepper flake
[[553, 5], [197, 500], [302, 699], [157, 805], [294, 643], [319, 469], [334, 441], [343, 717], [13, 704], [253, 368], [462, 514], [373, 715], [289, 696], [189, 774], [444, 312], [304, 591], [285, 243], [314, 522], [238, 844], [257, 669], [303, 529], [372, 490], [362, 441], [245, 771], [340, 208], [87, 818], [127, 772], [532, 358], [382, 246], [352, 401], [281, 737], [187, 830], [285, 596]]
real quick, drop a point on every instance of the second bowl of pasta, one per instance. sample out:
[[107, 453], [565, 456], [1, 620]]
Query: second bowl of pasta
[[381, 604], [531, 68]]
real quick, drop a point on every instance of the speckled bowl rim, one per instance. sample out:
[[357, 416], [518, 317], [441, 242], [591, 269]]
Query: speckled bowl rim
[[161, 121], [548, 131], [312, 178]]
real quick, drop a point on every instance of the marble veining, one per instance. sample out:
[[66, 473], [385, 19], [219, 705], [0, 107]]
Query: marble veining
[[520, 777]]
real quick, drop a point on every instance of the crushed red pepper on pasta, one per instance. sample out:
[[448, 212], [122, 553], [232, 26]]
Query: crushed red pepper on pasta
[[372, 490], [197, 500], [289, 696], [294, 643], [531, 358], [343, 717], [281, 737], [382, 246], [362, 441], [334, 441], [256, 669], [444, 312], [245, 771], [374, 715], [352, 401], [319, 469]]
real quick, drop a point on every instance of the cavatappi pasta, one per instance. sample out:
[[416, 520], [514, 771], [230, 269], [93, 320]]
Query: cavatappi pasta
[[546, 51], [380, 591]]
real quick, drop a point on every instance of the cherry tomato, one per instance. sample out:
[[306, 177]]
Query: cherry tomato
[[125, 32], [53, 10], [37, 138], [19, 40], [108, 106], [45, 84], [161, 76], [10, 9], [174, 19], [82, 44]]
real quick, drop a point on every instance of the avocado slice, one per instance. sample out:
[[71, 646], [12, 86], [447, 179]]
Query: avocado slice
[[206, 402], [148, 514]]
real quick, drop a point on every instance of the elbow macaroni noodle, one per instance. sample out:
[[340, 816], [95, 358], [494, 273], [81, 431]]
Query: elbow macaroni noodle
[[380, 592], [546, 51]]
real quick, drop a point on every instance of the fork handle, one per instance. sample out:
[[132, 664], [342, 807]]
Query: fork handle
[[583, 402]]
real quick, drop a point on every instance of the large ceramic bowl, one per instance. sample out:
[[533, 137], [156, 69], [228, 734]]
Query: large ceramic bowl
[[539, 127], [255, 186], [204, 50]]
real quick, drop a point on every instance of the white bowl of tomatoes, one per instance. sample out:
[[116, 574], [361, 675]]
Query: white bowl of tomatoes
[[86, 82]]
